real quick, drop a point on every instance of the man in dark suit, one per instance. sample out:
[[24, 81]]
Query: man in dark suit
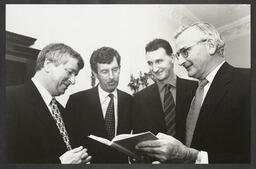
[[149, 104], [34, 128], [216, 127], [103, 110]]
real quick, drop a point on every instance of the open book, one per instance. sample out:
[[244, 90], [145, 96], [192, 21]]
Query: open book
[[126, 143]]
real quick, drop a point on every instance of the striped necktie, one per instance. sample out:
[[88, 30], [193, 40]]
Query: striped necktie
[[194, 111], [110, 118], [59, 122], [169, 111]]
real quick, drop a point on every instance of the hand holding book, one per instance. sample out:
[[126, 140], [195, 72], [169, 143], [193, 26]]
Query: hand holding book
[[126, 143]]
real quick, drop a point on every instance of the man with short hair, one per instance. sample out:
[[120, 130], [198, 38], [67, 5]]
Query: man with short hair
[[104, 110], [156, 107], [216, 126], [35, 127]]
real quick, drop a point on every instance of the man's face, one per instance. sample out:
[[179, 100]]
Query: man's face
[[160, 64], [108, 75], [63, 75], [197, 61]]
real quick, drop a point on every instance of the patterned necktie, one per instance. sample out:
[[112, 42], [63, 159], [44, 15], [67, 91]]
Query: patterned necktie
[[169, 111], [110, 118], [194, 111], [59, 122]]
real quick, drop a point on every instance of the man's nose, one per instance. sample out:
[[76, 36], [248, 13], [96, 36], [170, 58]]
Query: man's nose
[[72, 79], [180, 60], [111, 75], [154, 68]]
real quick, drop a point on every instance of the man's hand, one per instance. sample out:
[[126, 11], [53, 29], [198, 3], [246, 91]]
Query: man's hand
[[167, 149], [75, 156]]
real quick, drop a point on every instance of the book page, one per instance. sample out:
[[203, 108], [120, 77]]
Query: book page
[[100, 139], [122, 136], [125, 136], [130, 142]]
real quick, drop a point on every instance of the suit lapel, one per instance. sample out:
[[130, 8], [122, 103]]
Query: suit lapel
[[97, 113], [185, 91], [216, 92], [120, 110], [159, 118], [41, 112]]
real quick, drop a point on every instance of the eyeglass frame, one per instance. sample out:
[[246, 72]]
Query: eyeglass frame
[[184, 52]]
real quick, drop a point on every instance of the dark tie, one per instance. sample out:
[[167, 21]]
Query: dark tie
[[59, 122], [194, 111], [169, 111], [110, 118]]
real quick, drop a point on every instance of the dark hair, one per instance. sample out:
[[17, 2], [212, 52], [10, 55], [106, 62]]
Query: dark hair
[[159, 43], [103, 55], [56, 53]]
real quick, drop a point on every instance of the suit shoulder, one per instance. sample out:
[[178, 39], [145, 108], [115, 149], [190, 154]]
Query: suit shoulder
[[146, 91], [83, 93], [186, 81], [244, 72], [15, 92], [14, 89], [124, 94]]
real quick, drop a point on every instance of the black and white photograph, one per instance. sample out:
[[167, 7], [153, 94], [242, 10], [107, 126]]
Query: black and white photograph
[[127, 84]]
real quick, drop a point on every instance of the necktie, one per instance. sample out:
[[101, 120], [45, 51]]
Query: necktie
[[169, 111], [59, 122], [110, 118], [194, 111]]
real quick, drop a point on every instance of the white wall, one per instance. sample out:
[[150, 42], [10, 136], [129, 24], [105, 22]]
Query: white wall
[[127, 28], [238, 52]]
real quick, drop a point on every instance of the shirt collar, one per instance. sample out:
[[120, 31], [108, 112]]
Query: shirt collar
[[212, 74], [47, 97], [104, 95], [172, 82]]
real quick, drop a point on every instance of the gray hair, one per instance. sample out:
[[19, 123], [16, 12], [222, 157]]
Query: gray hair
[[209, 31], [55, 53]]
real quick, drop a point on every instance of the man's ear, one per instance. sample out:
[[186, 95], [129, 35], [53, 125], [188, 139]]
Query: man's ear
[[94, 74], [211, 46], [172, 58], [47, 65]]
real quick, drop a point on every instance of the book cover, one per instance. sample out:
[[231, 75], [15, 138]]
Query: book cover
[[126, 143]]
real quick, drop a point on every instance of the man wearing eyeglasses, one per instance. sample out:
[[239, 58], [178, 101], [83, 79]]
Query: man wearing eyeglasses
[[216, 126]]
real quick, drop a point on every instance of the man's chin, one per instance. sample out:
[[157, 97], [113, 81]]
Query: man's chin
[[192, 74], [160, 78], [61, 92], [111, 89]]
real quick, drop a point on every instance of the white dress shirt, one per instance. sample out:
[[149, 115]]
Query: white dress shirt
[[47, 97], [210, 78], [104, 101]]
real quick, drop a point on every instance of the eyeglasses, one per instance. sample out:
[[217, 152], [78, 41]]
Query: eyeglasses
[[184, 51]]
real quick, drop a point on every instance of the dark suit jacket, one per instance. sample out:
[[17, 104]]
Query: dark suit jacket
[[86, 117], [223, 126], [31, 135], [148, 111]]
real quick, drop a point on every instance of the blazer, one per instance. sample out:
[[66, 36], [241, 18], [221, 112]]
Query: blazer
[[148, 113], [223, 125], [85, 117], [31, 134]]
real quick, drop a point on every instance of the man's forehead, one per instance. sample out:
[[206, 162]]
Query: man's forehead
[[159, 52], [112, 64], [189, 36], [71, 63]]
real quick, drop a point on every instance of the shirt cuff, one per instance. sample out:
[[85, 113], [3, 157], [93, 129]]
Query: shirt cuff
[[202, 158]]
